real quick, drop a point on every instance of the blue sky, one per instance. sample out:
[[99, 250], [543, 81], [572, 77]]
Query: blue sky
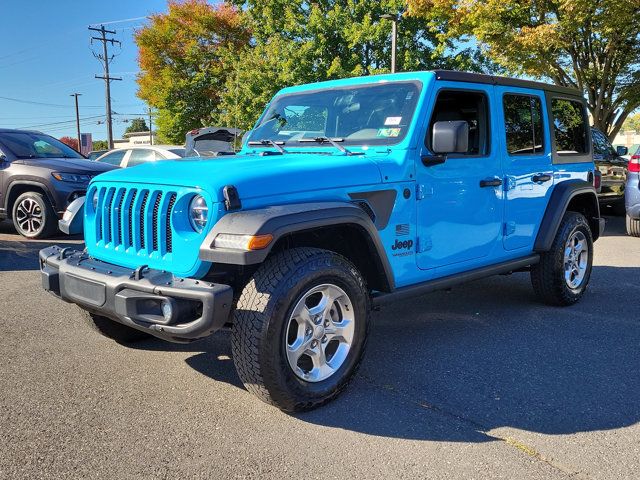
[[45, 55]]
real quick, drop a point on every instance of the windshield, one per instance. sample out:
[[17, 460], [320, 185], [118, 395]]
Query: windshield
[[36, 145], [377, 114]]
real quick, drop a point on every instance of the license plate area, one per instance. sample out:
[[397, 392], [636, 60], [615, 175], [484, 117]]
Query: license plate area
[[85, 291]]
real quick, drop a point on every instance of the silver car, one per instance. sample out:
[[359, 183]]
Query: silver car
[[632, 195]]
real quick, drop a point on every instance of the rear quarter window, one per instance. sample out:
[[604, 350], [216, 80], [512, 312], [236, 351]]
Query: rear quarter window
[[569, 126]]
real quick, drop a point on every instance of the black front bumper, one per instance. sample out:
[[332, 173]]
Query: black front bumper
[[136, 297]]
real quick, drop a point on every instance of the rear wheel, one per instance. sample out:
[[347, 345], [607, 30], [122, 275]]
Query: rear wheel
[[113, 330], [562, 275], [33, 216], [300, 328], [633, 226]]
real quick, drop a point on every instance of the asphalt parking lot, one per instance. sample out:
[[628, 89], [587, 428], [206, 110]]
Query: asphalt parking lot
[[478, 382]]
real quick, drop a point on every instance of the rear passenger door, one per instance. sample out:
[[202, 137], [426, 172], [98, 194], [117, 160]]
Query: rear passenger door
[[526, 159]]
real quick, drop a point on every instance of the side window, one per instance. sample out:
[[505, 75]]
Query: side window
[[570, 126], [523, 124], [472, 107], [114, 158], [141, 155], [601, 143]]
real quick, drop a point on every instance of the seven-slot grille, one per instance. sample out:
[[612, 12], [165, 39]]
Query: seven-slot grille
[[138, 218]]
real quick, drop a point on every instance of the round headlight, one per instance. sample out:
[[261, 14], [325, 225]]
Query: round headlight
[[94, 199], [198, 213]]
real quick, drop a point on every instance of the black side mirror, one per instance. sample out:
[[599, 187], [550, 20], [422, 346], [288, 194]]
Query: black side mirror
[[621, 150], [450, 137]]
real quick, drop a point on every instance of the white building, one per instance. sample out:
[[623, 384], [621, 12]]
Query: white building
[[135, 138]]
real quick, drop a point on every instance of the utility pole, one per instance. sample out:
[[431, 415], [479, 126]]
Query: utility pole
[[105, 58], [394, 37], [150, 128], [76, 95]]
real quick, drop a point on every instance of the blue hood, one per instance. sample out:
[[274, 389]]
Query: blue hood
[[254, 175]]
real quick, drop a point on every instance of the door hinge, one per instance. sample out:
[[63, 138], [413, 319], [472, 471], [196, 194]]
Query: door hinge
[[422, 191], [509, 183], [508, 228], [423, 244]]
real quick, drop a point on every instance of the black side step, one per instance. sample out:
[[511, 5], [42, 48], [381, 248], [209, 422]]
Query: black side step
[[381, 298]]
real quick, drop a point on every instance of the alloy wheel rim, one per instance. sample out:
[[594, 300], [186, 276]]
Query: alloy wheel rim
[[319, 333], [576, 259], [29, 216]]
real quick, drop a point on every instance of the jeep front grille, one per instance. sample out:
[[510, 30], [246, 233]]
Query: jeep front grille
[[135, 218]]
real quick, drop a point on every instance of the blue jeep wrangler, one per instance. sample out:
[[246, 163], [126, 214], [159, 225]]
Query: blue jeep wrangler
[[346, 195]]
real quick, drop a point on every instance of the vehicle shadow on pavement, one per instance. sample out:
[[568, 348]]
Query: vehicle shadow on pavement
[[454, 366], [615, 227], [18, 253], [517, 365], [212, 355]]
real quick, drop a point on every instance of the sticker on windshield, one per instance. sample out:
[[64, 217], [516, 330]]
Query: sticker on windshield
[[388, 132], [393, 121]]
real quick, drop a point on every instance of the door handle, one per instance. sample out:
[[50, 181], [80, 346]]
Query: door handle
[[490, 182], [541, 178]]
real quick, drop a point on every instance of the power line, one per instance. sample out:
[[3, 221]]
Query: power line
[[70, 122], [31, 102], [106, 59], [124, 20]]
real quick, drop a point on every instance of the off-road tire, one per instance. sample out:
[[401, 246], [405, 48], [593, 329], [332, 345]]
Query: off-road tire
[[113, 330], [633, 226], [260, 323], [49, 217], [547, 276]]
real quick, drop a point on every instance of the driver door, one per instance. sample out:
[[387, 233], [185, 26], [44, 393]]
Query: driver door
[[459, 208]]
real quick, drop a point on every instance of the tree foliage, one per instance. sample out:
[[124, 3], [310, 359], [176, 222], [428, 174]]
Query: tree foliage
[[296, 41], [181, 66], [70, 141], [592, 45], [137, 125], [632, 123], [100, 145], [220, 64]]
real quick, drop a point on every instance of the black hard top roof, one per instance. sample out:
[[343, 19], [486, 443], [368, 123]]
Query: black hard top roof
[[454, 76]]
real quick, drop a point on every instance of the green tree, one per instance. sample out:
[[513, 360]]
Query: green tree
[[296, 41], [181, 65], [137, 125], [632, 123], [591, 45], [100, 145]]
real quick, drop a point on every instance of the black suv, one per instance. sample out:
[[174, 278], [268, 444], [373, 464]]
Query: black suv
[[39, 177], [613, 169]]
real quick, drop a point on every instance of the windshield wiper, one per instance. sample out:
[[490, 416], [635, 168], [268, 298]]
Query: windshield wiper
[[268, 141], [332, 141]]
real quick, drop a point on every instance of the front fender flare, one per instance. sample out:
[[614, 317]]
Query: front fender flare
[[282, 220]]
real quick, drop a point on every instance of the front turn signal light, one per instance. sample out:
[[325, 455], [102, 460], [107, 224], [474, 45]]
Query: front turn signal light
[[242, 242]]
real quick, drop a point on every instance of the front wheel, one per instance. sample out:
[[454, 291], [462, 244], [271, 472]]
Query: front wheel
[[33, 216], [562, 275], [300, 328]]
